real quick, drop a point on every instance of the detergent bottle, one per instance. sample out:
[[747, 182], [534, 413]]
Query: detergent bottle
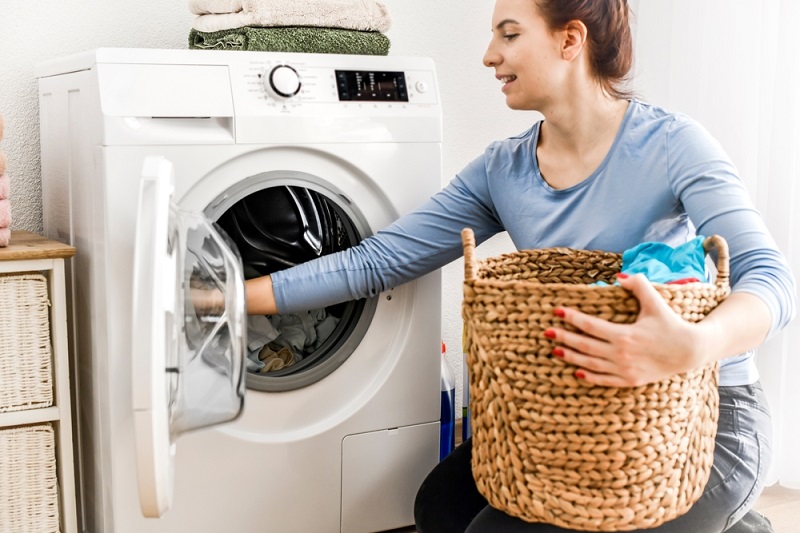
[[447, 437], [466, 427]]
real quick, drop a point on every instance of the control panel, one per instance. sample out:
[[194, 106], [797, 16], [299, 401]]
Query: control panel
[[293, 85]]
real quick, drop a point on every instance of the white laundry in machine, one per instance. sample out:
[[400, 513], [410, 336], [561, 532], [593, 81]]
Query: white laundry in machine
[[158, 166]]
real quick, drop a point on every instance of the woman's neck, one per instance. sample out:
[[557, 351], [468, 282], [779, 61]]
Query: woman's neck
[[576, 136], [577, 126]]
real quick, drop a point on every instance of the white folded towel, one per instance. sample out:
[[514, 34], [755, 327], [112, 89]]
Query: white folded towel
[[206, 7], [223, 21], [363, 15]]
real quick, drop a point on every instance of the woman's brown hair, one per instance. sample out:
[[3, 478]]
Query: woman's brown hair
[[609, 36]]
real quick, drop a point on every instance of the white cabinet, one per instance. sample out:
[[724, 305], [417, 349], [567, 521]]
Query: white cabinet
[[37, 476]]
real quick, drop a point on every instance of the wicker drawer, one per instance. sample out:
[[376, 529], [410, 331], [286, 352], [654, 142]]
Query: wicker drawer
[[26, 380], [28, 482]]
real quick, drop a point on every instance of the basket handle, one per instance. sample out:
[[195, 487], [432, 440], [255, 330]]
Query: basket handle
[[470, 261], [723, 258]]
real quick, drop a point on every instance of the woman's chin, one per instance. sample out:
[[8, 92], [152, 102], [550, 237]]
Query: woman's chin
[[516, 105]]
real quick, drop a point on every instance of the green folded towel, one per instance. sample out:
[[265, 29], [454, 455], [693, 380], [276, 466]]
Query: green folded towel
[[305, 39]]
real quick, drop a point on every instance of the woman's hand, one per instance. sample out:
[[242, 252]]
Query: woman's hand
[[259, 296], [658, 345], [207, 301]]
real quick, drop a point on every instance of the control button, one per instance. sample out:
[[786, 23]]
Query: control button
[[421, 86], [282, 81]]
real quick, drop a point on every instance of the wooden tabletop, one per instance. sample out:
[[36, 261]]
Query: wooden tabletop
[[27, 245]]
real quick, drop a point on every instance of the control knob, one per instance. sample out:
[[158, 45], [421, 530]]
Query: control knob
[[282, 81]]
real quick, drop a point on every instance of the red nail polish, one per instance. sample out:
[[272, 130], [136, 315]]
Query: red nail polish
[[580, 374], [559, 312], [558, 352], [622, 276], [550, 334]]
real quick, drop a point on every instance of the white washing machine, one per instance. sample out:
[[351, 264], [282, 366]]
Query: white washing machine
[[145, 155]]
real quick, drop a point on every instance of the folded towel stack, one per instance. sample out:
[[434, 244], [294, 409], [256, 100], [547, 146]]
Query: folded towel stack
[[5, 206], [311, 26]]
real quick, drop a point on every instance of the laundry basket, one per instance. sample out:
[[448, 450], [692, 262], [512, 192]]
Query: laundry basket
[[548, 447]]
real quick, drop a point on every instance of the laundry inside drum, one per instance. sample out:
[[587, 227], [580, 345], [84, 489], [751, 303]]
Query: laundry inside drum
[[276, 228]]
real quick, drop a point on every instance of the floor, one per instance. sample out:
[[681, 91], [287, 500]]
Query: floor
[[782, 507]]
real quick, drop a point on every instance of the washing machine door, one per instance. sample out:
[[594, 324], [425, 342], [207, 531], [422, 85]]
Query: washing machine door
[[188, 336]]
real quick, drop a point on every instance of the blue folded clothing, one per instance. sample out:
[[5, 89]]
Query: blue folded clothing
[[661, 263]]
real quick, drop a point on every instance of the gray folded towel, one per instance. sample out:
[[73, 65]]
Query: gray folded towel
[[293, 39]]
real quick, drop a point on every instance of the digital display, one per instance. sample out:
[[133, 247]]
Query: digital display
[[372, 86]]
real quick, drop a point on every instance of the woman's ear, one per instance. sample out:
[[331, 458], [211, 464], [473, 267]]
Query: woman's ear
[[574, 38]]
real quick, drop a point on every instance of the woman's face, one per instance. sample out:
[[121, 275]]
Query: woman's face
[[525, 55]]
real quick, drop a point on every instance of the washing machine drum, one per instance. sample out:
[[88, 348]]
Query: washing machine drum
[[275, 228], [280, 227]]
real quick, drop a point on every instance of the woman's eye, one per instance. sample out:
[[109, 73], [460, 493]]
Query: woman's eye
[[510, 36]]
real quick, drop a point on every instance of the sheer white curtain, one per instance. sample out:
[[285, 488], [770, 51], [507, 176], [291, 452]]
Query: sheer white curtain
[[734, 65]]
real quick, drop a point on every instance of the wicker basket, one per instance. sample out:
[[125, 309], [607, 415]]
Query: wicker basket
[[26, 380], [28, 482], [548, 447]]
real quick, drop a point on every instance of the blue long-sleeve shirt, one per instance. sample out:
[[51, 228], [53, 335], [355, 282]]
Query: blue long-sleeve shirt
[[664, 179]]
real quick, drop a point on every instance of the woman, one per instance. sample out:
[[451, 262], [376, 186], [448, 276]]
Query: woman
[[601, 171]]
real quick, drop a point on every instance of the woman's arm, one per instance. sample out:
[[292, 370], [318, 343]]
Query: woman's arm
[[414, 245]]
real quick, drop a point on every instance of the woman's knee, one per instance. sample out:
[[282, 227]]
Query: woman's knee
[[448, 499]]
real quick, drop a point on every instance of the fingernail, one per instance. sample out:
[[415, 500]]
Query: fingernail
[[622, 275], [550, 334], [559, 312], [558, 352], [580, 374]]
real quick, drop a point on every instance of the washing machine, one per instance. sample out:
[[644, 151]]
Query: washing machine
[[154, 165]]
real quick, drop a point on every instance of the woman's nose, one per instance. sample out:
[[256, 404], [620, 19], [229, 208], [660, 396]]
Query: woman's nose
[[490, 58]]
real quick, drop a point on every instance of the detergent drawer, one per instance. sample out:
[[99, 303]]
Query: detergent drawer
[[165, 90]]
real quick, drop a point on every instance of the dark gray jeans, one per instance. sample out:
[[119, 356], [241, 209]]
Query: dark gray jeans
[[448, 500]]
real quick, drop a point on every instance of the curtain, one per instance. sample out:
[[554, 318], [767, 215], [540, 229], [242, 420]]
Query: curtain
[[734, 65]]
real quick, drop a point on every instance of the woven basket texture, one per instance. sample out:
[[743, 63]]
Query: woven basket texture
[[548, 447], [26, 380], [29, 487]]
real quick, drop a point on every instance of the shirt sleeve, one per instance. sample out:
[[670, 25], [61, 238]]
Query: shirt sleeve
[[707, 183], [414, 245]]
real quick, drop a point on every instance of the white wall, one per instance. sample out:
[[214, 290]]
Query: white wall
[[734, 65], [453, 33]]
